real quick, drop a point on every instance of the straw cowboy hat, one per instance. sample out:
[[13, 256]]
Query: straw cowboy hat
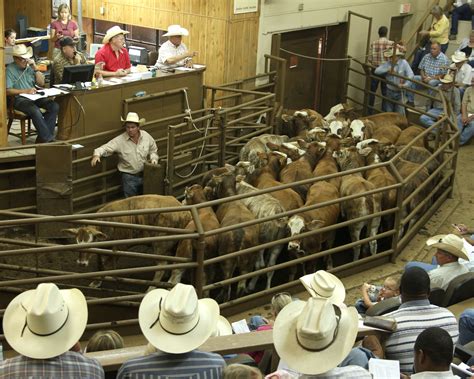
[[389, 53], [45, 322], [447, 79], [176, 321], [326, 285], [315, 336], [22, 51], [223, 327], [459, 56], [112, 32], [176, 30], [133, 117], [450, 243]]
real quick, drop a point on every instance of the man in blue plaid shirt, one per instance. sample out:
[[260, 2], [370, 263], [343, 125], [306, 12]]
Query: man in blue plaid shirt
[[433, 66]]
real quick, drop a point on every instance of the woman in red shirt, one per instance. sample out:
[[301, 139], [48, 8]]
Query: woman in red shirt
[[63, 26]]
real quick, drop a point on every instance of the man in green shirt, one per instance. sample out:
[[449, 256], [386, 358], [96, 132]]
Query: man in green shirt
[[68, 56], [22, 77]]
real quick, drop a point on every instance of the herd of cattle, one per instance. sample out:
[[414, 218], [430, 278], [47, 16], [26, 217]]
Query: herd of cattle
[[308, 146]]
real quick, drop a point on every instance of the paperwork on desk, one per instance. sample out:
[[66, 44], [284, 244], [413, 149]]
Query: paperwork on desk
[[240, 327], [195, 67], [48, 92], [384, 368]]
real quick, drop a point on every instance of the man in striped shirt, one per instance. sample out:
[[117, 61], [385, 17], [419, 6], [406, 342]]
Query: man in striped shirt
[[415, 315]]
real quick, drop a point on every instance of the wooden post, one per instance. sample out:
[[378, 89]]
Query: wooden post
[[3, 94]]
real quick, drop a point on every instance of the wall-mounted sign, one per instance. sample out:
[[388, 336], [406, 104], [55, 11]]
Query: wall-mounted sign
[[245, 6]]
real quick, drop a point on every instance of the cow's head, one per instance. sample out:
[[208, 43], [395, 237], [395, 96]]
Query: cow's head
[[357, 130], [297, 225], [348, 158], [193, 195], [335, 128], [244, 168], [85, 235]]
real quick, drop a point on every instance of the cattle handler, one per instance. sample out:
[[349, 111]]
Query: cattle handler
[[133, 147]]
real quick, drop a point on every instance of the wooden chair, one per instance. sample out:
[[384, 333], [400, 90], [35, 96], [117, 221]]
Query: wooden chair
[[25, 121], [152, 57]]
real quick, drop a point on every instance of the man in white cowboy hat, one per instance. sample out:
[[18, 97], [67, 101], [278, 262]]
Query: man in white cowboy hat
[[314, 337], [461, 71], [326, 285], [174, 52], [395, 64], [22, 77], [133, 147], [43, 325], [451, 94], [466, 118], [415, 315], [113, 56], [176, 323]]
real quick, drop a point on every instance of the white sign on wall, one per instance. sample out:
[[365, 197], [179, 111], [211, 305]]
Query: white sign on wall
[[245, 6]]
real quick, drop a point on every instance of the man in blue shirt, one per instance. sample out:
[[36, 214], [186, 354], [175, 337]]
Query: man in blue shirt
[[22, 76], [398, 65]]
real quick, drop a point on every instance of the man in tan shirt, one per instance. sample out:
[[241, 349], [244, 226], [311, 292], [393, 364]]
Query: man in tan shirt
[[466, 118], [133, 148]]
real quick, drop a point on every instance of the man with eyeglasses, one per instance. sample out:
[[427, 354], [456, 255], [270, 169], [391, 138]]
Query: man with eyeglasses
[[113, 56]]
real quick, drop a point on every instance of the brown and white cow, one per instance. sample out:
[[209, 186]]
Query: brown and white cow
[[258, 144]]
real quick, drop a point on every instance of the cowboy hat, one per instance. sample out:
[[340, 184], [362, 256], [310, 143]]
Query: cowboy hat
[[22, 51], [112, 32], [458, 56], [176, 30], [450, 243], [67, 41], [133, 117], [45, 322], [326, 285], [313, 337], [223, 327], [389, 53], [446, 79], [176, 321]]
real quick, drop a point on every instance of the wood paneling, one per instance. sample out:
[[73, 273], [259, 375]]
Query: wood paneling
[[3, 108]]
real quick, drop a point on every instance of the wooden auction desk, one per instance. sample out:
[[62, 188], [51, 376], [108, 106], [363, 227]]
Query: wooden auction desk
[[96, 110]]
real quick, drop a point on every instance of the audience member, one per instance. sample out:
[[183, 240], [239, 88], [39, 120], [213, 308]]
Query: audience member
[[133, 148], [466, 119], [104, 340], [238, 371], [433, 354], [62, 27], [314, 337], [42, 325], [463, 10], [415, 315], [452, 96], [174, 52], [461, 71], [326, 285], [376, 58], [68, 56], [22, 76], [433, 66], [398, 65], [466, 46], [466, 326], [391, 288], [176, 323], [10, 36], [112, 59]]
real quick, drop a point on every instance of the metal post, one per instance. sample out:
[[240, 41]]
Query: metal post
[[169, 161], [398, 214], [221, 120]]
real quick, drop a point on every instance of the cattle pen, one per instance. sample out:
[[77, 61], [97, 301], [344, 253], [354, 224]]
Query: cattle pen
[[202, 139]]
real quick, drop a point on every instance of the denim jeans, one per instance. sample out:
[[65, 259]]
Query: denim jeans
[[466, 326], [360, 306], [374, 84], [427, 121], [463, 12], [423, 265], [44, 123], [358, 356], [388, 106], [467, 131], [132, 184], [411, 96]]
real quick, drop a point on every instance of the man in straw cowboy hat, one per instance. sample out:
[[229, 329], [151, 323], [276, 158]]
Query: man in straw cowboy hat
[[133, 147], [174, 51], [395, 64], [43, 325], [466, 118], [22, 77], [176, 323], [461, 71], [113, 56]]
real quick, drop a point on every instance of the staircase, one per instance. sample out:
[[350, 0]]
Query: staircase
[[464, 29]]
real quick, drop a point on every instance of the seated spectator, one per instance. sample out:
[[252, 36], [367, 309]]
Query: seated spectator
[[68, 56], [466, 118], [415, 315], [466, 327], [326, 285], [451, 94], [371, 296], [176, 323], [432, 67], [104, 340], [463, 10], [461, 71], [42, 325], [238, 371], [315, 336], [433, 355], [466, 46]]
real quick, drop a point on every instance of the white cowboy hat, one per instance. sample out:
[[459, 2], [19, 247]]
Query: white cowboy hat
[[447, 79], [176, 30], [223, 327], [315, 336], [112, 32], [176, 321], [45, 322], [389, 53], [326, 285], [450, 243], [22, 51], [458, 56], [133, 117]]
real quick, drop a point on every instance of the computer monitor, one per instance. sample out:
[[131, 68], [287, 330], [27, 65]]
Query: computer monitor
[[94, 48], [78, 73]]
